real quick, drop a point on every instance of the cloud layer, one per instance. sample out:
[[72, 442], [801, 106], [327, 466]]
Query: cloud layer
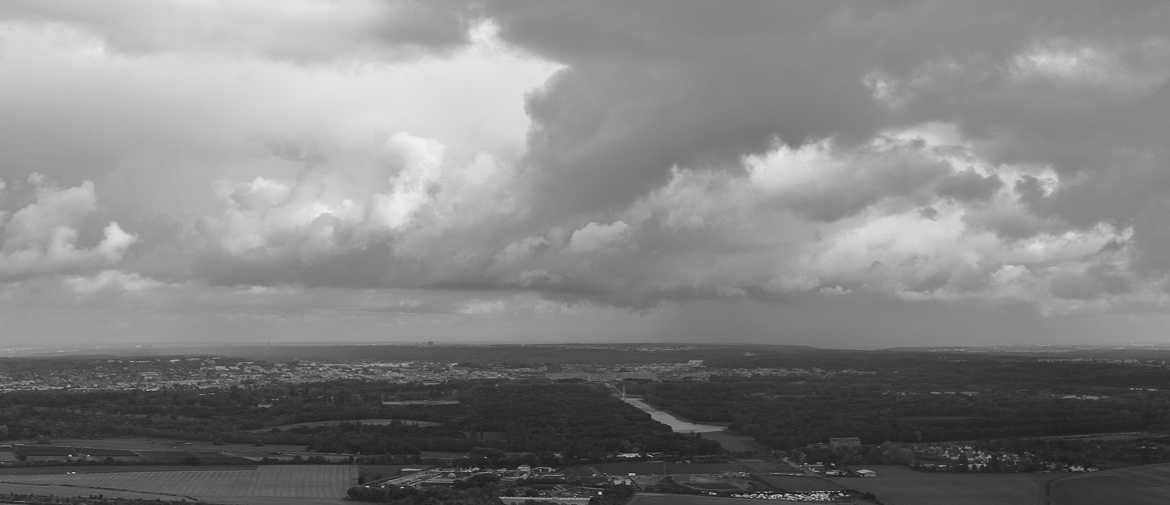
[[764, 165]]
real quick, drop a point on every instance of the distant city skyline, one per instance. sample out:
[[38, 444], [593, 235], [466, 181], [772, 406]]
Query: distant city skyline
[[838, 174]]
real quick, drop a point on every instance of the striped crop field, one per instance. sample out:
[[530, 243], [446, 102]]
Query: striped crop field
[[258, 485]]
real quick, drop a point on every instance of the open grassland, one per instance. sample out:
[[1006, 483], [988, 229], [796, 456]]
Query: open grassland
[[252, 486], [1141, 485], [897, 485]]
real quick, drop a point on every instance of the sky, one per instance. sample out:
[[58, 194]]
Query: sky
[[835, 173]]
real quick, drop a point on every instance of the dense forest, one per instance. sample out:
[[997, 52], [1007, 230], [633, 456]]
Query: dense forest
[[938, 398], [580, 421]]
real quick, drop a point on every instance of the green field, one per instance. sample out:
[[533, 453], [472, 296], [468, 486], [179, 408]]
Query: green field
[[896, 485], [303, 484], [1141, 485]]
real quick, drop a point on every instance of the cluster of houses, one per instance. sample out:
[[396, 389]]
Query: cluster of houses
[[820, 469], [797, 496], [569, 495], [952, 457]]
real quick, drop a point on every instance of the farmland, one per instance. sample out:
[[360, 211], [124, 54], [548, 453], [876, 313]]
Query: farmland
[[1143, 485], [308, 484], [60, 490], [896, 485]]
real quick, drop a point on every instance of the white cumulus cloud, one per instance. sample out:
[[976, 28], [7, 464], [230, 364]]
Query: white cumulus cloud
[[45, 236]]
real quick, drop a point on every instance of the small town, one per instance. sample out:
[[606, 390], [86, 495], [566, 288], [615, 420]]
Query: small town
[[219, 372]]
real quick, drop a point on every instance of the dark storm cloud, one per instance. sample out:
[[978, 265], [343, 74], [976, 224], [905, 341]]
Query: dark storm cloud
[[650, 86], [300, 30], [969, 185], [1097, 281]]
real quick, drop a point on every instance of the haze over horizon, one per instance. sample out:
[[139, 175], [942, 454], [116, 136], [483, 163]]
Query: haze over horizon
[[832, 173]]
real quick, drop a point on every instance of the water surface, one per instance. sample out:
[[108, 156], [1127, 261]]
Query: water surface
[[676, 424]]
